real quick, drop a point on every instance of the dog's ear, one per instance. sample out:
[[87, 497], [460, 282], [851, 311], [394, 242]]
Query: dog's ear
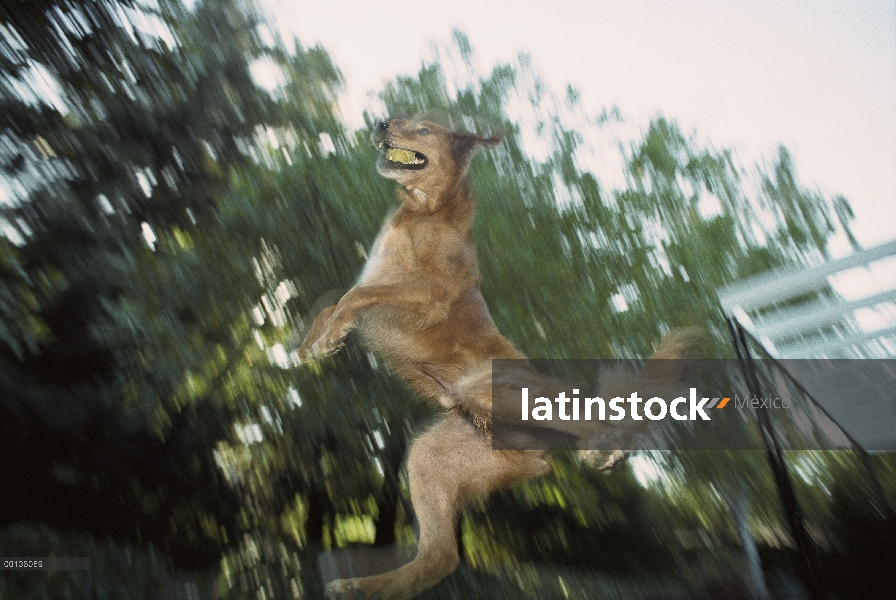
[[464, 144]]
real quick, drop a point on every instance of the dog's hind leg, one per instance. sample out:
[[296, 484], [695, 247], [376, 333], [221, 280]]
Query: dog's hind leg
[[449, 465]]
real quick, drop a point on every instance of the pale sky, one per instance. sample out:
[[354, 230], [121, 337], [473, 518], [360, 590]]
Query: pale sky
[[817, 76]]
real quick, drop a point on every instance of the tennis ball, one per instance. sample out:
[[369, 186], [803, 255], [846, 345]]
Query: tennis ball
[[400, 156]]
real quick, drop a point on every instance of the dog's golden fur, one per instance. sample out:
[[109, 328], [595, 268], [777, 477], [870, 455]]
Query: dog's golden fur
[[417, 303]]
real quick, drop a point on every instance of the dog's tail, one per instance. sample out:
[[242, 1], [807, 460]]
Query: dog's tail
[[660, 376], [683, 343], [672, 355], [662, 372]]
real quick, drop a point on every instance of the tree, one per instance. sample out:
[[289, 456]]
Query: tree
[[118, 124]]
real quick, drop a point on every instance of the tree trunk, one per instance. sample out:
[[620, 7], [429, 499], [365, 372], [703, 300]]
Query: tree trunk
[[737, 504], [385, 520], [318, 505]]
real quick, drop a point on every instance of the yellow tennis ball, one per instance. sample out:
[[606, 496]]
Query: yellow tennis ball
[[399, 155]]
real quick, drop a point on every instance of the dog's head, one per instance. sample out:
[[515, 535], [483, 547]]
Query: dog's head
[[424, 156]]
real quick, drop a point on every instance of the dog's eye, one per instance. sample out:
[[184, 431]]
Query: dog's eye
[[423, 131]]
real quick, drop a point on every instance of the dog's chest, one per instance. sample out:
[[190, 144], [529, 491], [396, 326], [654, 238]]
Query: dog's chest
[[390, 256], [399, 253]]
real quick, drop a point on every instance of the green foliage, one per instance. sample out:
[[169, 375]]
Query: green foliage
[[260, 566], [573, 517], [865, 532], [117, 571], [144, 112], [21, 328]]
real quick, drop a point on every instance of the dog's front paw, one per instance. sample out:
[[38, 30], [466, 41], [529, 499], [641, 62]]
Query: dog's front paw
[[327, 335], [320, 348], [345, 589], [306, 351], [332, 340]]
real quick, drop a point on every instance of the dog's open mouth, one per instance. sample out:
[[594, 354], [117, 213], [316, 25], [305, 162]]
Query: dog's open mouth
[[401, 158]]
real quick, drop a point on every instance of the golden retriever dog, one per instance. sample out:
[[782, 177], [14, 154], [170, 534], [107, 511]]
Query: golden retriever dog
[[418, 305]]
